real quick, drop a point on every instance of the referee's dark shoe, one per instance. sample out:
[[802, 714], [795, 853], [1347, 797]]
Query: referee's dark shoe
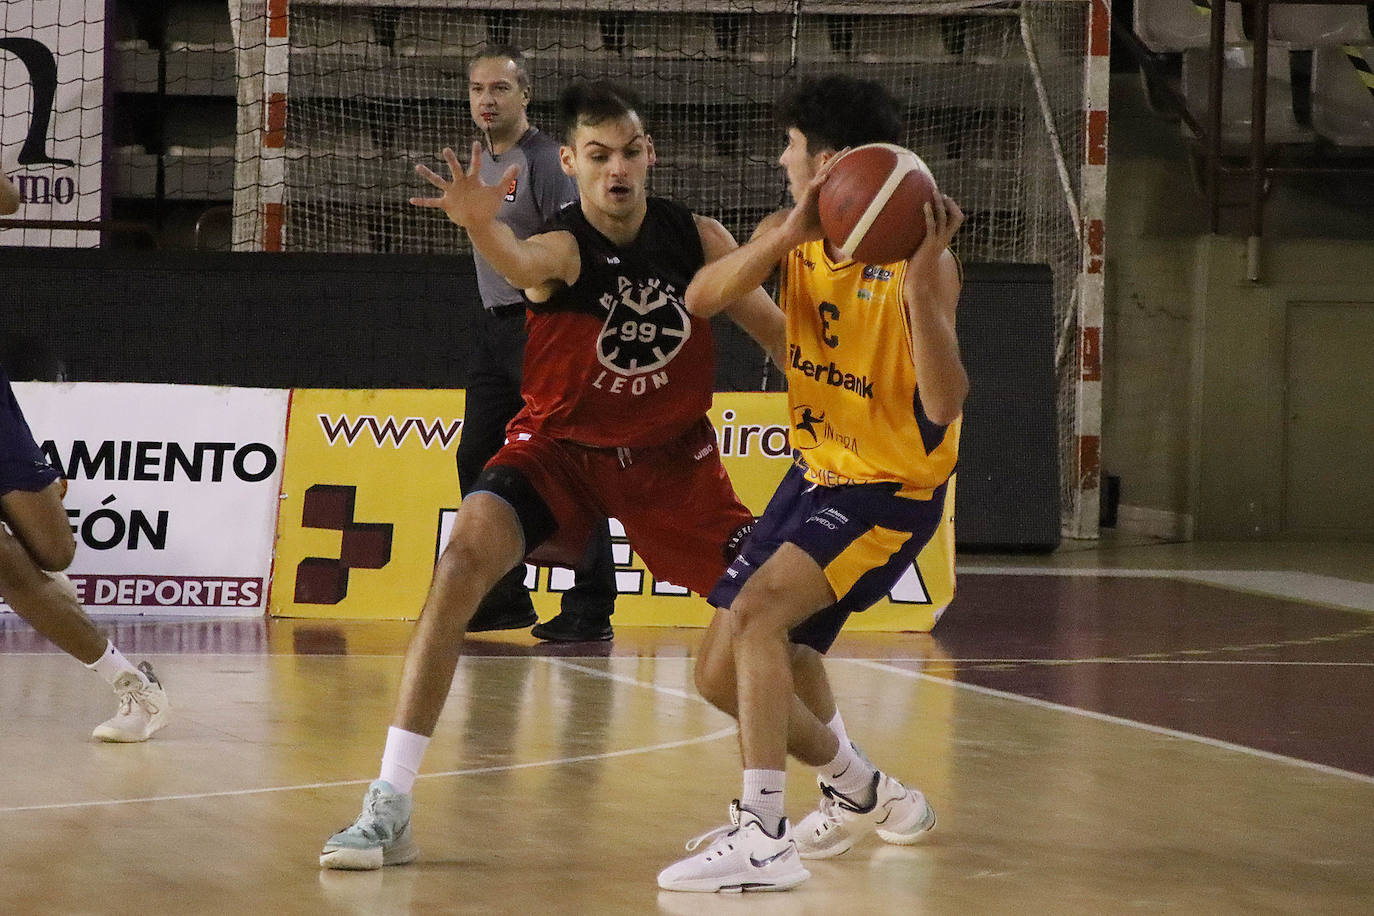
[[570, 627], [504, 608]]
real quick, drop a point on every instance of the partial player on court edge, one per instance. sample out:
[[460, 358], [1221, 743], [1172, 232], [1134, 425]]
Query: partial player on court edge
[[36, 544]]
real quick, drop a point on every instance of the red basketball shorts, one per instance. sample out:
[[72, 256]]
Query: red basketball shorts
[[675, 500]]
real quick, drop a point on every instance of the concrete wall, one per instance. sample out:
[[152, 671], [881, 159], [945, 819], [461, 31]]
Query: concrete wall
[[1235, 409]]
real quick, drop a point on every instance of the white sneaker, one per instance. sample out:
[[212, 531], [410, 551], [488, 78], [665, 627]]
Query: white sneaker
[[742, 857], [380, 836], [143, 708], [899, 815]]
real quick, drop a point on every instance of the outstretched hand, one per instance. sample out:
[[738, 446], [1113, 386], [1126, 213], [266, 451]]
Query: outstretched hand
[[466, 200]]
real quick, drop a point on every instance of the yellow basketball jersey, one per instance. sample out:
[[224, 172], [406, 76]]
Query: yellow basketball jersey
[[851, 381]]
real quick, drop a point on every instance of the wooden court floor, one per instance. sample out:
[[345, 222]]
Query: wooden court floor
[[1130, 729]]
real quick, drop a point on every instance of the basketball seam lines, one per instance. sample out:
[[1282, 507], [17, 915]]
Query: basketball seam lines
[[875, 206]]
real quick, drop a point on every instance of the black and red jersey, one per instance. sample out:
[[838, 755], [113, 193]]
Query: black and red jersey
[[615, 359]]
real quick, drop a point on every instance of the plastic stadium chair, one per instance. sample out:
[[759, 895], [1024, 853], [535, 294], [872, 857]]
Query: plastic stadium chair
[[1343, 95], [1319, 26], [1182, 25], [1281, 125]]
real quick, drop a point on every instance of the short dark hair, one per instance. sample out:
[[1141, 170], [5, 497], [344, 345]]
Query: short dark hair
[[836, 111], [505, 52], [586, 102]]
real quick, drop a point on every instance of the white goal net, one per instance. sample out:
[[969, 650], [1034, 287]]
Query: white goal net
[[339, 101]]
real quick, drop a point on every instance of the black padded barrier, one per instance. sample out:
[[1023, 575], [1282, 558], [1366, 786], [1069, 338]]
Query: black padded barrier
[[398, 321]]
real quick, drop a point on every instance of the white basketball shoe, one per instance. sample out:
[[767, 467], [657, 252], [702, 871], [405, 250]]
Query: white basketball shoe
[[899, 815], [143, 708], [380, 836], [742, 856]]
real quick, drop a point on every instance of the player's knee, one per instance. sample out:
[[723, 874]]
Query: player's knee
[[757, 611], [715, 682], [54, 552], [18, 565], [469, 558], [462, 556], [806, 661]]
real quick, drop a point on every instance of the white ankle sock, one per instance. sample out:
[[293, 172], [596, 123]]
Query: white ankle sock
[[763, 796], [850, 775], [401, 759], [111, 664]]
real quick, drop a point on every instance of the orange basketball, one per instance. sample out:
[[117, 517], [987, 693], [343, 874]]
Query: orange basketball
[[871, 204]]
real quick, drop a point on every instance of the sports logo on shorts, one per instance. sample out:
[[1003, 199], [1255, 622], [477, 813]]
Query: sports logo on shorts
[[646, 325]]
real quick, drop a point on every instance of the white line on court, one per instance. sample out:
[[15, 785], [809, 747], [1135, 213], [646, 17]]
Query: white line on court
[[1274, 583], [911, 659], [1115, 720], [474, 771], [622, 679]]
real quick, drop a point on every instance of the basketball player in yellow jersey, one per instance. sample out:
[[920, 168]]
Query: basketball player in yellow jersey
[[876, 389]]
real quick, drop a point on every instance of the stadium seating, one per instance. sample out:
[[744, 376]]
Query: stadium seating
[[1343, 97], [1304, 27], [1281, 125], [1183, 25], [199, 24], [346, 31], [454, 36]]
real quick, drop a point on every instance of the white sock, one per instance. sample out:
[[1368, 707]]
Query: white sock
[[763, 796], [836, 726], [111, 664], [851, 775], [401, 759]]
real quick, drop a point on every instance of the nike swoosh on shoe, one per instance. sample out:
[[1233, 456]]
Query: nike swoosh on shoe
[[773, 858]]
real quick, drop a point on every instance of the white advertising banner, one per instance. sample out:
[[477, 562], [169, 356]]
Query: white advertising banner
[[52, 86], [173, 491]]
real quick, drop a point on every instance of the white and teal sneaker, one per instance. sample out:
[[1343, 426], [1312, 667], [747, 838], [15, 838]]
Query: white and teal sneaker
[[380, 836], [742, 856], [143, 708], [898, 815]]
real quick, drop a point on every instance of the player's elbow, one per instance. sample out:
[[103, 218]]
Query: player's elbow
[[945, 405], [696, 301], [942, 417], [520, 278]]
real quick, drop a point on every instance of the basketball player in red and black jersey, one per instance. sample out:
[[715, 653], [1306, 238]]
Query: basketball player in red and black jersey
[[618, 377]]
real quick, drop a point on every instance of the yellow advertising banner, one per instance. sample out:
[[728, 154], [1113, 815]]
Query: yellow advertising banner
[[369, 490]]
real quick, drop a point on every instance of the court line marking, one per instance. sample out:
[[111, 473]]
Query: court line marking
[[624, 679], [473, 771], [910, 659], [1290, 585], [1116, 720]]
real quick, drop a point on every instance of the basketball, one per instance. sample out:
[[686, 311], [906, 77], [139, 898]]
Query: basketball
[[871, 204]]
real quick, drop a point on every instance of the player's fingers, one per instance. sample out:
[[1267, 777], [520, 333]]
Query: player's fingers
[[427, 201], [824, 172], [455, 168], [956, 214], [475, 162], [941, 214], [429, 175]]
